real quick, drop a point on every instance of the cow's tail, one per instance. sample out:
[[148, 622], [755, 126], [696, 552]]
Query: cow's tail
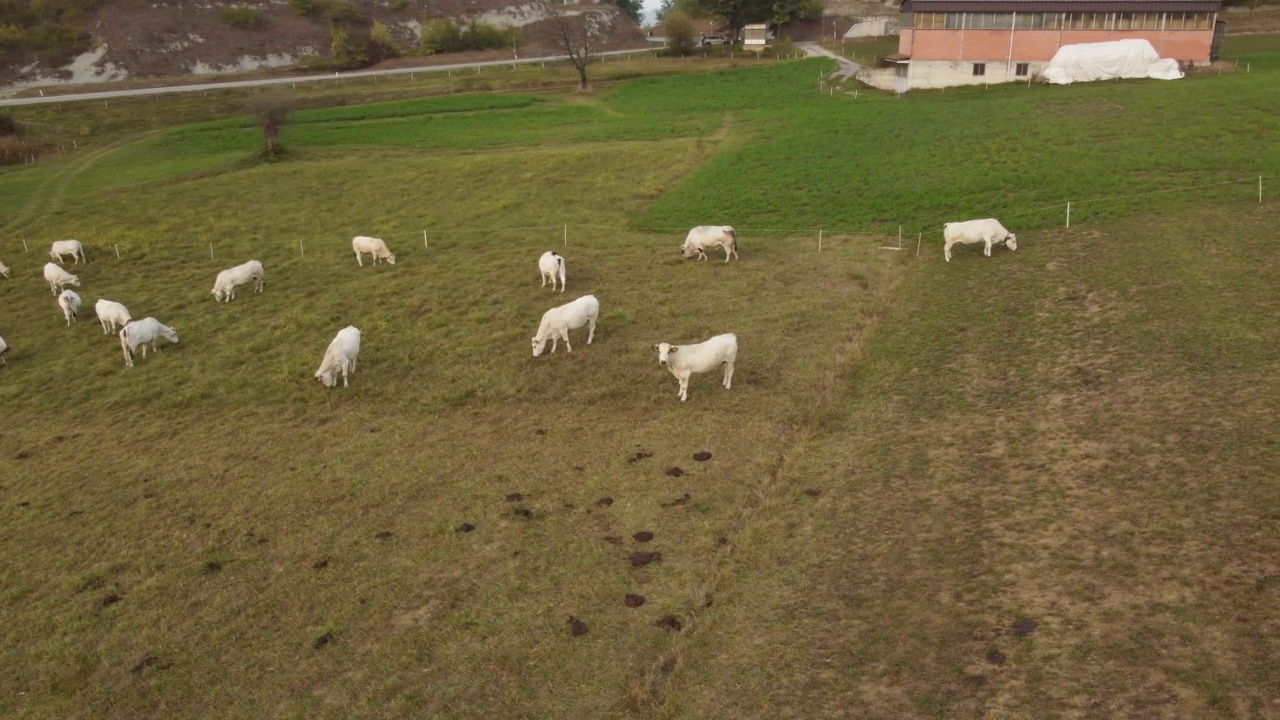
[[124, 344], [733, 237]]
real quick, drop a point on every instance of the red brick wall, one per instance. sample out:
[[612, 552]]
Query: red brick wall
[[1040, 45]]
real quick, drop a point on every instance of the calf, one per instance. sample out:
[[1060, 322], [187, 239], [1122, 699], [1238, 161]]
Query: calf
[[58, 278], [705, 237], [69, 301], [224, 286], [68, 247], [684, 360], [340, 357], [111, 314], [971, 232], [146, 330], [558, 321], [375, 247], [550, 265]]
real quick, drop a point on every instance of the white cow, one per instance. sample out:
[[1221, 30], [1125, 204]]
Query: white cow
[[558, 321], [4, 270], [58, 278], [705, 237], [224, 286], [340, 357], [4, 348], [684, 360], [67, 247], [69, 301], [374, 246], [110, 314], [971, 232], [550, 265], [146, 330]]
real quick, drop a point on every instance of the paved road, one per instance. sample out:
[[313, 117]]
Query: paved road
[[847, 67], [10, 102]]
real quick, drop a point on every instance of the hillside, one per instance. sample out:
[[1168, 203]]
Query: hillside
[[121, 39]]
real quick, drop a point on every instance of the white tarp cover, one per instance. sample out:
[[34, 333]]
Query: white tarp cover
[[1086, 62]]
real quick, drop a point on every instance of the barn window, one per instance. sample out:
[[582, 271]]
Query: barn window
[[979, 69], [1021, 69]]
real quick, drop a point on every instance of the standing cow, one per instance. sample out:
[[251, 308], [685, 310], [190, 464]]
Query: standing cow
[[340, 357], [684, 360], [69, 301], [375, 247], [224, 286], [705, 237], [551, 265]]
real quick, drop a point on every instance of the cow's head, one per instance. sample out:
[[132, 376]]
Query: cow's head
[[664, 352], [688, 251], [538, 346], [327, 377], [391, 259], [1011, 242]]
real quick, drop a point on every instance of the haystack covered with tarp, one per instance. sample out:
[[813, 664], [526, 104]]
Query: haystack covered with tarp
[[1086, 62]]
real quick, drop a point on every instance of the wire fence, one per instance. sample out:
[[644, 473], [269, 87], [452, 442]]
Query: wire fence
[[122, 243]]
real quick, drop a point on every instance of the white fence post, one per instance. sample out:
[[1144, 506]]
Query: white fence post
[[24, 246], [210, 251], [117, 252], [424, 241], [566, 236], [919, 235], [1068, 214], [1259, 188], [301, 249], [899, 237], [819, 239]]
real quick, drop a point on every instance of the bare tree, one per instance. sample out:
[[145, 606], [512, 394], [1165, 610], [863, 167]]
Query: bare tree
[[272, 110], [575, 34]]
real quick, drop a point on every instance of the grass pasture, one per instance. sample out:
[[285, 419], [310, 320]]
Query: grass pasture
[[1036, 485]]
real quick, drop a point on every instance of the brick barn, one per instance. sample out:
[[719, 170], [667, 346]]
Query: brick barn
[[943, 43]]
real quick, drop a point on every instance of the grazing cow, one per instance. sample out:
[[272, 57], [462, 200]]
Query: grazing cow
[[705, 237], [971, 232], [4, 270], [684, 360], [340, 357], [374, 246], [146, 330], [69, 301], [558, 321], [68, 247], [58, 278], [224, 286], [4, 348], [550, 265], [111, 314]]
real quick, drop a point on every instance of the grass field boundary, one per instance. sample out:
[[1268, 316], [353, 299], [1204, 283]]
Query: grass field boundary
[[568, 233]]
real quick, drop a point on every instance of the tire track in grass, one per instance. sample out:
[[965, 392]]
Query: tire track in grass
[[62, 181], [649, 692]]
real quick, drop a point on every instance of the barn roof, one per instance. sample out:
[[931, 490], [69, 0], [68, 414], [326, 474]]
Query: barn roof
[[1004, 6]]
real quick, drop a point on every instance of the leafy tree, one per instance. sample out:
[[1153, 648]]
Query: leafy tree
[[679, 31], [381, 44], [737, 13]]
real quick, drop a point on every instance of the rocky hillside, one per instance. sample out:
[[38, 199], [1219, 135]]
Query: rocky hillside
[[159, 38]]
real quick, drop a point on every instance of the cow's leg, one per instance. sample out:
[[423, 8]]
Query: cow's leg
[[684, 387], [591, 329], [565, 335], [728, 374], [726, 252], [344, 374], [544, 281], [986, 246]]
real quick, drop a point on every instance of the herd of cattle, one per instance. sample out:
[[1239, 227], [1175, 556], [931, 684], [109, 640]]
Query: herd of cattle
[[340, 357]]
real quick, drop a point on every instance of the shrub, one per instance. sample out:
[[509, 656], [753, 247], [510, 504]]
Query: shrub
[[349, 49], [381, 44], [397, 5], [446, 36], [341, 11], [8, 126], [302, 7], [243, 17]]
